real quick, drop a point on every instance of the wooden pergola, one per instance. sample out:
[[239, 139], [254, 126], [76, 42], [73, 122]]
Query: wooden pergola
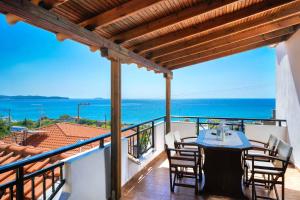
[[161, 35]]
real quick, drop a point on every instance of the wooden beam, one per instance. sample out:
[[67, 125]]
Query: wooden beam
[[52, 22], [61, 37], [48, 4], [172, 37], [229, 52], [231, 45], [115, 129], [168, 78], [286, 17], [93, 48], [249, 33], [107, 53], [12, 19], [175, 18], [117, 13]]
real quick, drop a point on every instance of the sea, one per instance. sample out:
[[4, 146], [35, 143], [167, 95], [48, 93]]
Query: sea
[[137, 110]]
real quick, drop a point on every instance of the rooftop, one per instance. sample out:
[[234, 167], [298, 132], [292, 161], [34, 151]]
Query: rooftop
[[59, 135], [10, 153]]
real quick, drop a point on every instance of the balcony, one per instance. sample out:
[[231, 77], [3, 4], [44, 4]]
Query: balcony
[[145, 170]]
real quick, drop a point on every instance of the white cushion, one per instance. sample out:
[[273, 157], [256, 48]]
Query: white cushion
[[262, 164]]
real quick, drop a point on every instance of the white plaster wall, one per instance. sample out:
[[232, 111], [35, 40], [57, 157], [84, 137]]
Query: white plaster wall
[[186, 129], [85, 175], [263, 132], [88, 174], [288, 90], [134, 166]]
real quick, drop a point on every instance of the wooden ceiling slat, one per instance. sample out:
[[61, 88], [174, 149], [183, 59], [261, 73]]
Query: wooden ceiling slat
[[169, 20], [210, 24], [252, 32], [117, 13], [231, 52], [233, 45], [288, 15], [50, 21]]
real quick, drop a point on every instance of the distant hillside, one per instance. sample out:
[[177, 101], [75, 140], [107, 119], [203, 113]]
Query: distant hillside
[[30, 97]]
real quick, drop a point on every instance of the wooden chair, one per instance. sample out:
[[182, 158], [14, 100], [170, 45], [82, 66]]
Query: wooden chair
[[269, 174], [264, 148], [259, 148], [188, 143], [182, 166]]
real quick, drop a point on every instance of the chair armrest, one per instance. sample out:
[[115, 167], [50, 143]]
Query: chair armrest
[[189, 137], [259, 142], [258, 148], [253, 156], [182, 150], [186, 144]]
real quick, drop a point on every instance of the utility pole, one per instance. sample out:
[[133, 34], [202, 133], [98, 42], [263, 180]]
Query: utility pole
[[9, 119], [78, 109], [40, 110]]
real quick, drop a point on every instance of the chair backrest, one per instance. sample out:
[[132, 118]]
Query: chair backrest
[[169, 141], [177, 136], [284, 151], [272, 142]]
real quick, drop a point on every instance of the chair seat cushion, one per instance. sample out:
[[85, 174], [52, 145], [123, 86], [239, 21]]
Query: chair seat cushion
[[262, 164], [256, 152], [182, 163]]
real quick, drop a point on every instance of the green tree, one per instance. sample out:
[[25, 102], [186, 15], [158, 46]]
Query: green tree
[[65, 117], [4, 128]]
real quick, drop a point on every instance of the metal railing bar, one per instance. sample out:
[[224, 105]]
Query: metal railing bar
[[32, 188], [8, 184], [228, 118], [44, 186], [53, 181], [62, 182], [42, 171], [11, 192]]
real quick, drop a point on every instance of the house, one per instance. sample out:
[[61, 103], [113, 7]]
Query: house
[[58, 135]]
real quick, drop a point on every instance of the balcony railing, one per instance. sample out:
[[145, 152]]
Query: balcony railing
[[234, 123], [141, 141]]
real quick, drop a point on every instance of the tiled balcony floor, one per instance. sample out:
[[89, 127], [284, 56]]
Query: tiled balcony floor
[[154, 184]]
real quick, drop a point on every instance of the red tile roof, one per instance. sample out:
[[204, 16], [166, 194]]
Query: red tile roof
[[45, 139], [60, 134], [12, 152], [78, 130]]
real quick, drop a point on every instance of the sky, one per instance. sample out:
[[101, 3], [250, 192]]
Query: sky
[[33, 62]]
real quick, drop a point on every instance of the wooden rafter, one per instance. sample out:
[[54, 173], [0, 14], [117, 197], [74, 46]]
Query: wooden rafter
[[50, 21], [172, 37], [117, 13], [230, 52], [175, 18], [252, 32], [233, 45], [286, 17]]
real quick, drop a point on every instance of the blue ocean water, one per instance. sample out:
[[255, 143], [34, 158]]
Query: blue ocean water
[[137, 110]]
